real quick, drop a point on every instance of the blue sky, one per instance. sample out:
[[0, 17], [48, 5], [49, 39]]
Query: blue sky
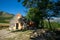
[[12, 6]]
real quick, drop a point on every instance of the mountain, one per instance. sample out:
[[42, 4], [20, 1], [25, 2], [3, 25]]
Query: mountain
[[5, 17]]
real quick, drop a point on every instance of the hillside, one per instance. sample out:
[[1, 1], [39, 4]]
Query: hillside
[[5, 17]]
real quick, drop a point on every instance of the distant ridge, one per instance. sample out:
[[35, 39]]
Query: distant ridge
[[5, 17]]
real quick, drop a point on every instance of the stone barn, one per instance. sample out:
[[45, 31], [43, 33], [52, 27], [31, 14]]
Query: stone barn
[[17, 23]]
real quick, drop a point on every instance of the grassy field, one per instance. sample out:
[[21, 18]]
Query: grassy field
[[46, 25], [53, 24]]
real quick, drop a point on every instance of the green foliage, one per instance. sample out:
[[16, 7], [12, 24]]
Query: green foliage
[[53, 24], [39, 10], [31, 15]]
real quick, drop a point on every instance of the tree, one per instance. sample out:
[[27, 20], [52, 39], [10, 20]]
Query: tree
[[42, 6], [32, 15], [56, 9], [1, 12]]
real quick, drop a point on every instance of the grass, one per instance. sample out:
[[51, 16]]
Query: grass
[[2, 19], [53, 24]]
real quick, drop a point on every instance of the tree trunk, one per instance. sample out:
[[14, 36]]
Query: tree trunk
[[49, 23], [42, 23]]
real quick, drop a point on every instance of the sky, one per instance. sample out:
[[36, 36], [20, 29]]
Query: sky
[[12, 6]]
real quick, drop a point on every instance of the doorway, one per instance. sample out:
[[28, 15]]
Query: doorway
[[16, 25]]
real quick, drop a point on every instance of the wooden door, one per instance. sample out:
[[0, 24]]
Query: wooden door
[[17, 25]]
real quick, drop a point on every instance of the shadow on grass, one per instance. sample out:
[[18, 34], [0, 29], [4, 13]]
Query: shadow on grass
[[3, 27], [19, 31]]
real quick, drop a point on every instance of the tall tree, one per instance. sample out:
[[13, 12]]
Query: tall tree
[[32, 15], [42, 7]]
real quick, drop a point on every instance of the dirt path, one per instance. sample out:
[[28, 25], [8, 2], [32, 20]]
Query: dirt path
[[8, 35]]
